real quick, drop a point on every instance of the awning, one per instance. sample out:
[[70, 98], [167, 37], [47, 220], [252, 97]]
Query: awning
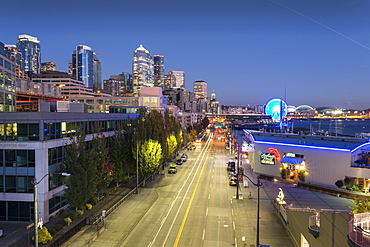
[[291, 160]]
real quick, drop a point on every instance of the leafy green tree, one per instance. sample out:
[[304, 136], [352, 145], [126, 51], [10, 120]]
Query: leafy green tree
[[360, 206], [80, 163], [44, 236], [172, 144], [149, 157], [99, 153]]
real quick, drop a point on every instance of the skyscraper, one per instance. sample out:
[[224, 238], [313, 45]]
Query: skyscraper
[[7, 81], [200, 89], [180, 78], [98, 77], [159, 71], [29, 46], [142, 69], [82, 66]]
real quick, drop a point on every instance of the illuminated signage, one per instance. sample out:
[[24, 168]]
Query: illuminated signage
[[267, 158], [276, 153]]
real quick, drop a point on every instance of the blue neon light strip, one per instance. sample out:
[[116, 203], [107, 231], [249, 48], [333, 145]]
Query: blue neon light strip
[[303, 146], [364, 144]]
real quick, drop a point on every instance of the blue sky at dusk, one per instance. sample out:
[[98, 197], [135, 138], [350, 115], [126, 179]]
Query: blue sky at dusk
[[249, 51]]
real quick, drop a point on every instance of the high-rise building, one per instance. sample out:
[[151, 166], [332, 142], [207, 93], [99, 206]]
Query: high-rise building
[[142, 69], [49, 66], [200, 89], [7, 81], [169, 81], [180, 78], [98, 77], [29, 46], [159, 71], [82, 66]]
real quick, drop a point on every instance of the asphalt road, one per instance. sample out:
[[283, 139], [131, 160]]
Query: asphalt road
[[194, 207]]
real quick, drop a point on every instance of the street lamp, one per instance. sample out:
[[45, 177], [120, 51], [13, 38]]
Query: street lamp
[[35, 183], [258, 185]]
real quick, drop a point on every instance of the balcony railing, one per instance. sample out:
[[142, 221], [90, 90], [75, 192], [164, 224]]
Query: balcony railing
[[359, 230], [314, 225]]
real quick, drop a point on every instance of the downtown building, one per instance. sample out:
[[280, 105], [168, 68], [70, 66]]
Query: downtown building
[[159, 71], [7, 81], [142, 70], [29, 47], [86, 67], [178, 78], [200, 89]]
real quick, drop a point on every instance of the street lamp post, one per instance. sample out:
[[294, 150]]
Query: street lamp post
[[258, 185], [137, 167], [35, 183]]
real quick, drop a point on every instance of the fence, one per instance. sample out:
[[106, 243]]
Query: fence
[[359, 231]]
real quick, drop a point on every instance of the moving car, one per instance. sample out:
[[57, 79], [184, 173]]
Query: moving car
[[172, 168], [179, 162], [184, 156], [233, 181], [231, 166]]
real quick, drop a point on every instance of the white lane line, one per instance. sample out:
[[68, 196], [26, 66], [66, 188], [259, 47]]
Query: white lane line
[[209, 196], [210, 185], [232, 211], [234, 225], [207, 211], [204, 233]]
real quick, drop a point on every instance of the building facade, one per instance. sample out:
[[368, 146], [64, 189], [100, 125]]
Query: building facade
[[159, 71], [29, 46], [48, 66], [98, 76], [179, 78], [142, 69], [7, 81], [82, 65], [200, 89], [33, 147]]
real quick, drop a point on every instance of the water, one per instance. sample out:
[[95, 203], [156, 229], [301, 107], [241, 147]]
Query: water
[[340, 126]]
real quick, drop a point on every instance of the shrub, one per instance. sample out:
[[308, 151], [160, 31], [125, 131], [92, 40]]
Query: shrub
[[88, 206], [283, 173], [51, 217], [67, 221], [62, 211], [301, 175], [94, 201], [44, 236], [355, 188], [52, 231], [58, 227], [72, 215], [80, 212], [105, 193]]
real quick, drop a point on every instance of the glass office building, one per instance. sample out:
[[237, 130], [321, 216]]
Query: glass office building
[[29, 46], [7, 81], [82, 66], [142, 69]]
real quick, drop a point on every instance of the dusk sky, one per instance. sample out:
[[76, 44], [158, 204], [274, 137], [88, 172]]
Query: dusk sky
[[313, 52]]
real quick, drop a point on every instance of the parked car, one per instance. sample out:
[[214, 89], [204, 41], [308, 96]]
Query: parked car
[[184, 155], [233, 181], [172, 168], [179, 162]]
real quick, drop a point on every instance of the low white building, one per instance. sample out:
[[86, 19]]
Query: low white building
[[319, 160]]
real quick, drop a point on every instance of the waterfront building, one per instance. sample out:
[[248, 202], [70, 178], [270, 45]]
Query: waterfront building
[[179, 78], [320, 160], [33, 147], [29, 46], [200, 89], [159, 71], [7, 81], [48, 66], [142, 69], [82, 65]]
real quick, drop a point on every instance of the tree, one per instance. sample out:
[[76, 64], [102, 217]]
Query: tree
[[172, 144], [360, 206], [99, 154], [80, 163], [149, 155]]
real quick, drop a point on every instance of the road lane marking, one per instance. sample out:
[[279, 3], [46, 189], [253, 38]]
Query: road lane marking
[[189, 205], [204, 233]]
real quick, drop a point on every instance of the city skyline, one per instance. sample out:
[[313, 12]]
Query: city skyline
[[314, 53]]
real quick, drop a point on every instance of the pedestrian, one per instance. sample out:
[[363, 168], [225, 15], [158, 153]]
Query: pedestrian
[[250, 195]]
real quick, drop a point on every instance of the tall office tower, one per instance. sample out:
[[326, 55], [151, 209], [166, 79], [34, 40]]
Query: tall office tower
[[49, 66], [98, 77], [142, 69], [180, 78], [14, 54], [169, 81], [7, 81], [128, 82], [82, 66], [159, 71], [29, 46], [200, 89]]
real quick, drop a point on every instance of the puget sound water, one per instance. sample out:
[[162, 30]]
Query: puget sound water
[[353, 127]]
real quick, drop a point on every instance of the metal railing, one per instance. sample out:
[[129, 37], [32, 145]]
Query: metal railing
[[359, 229]]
